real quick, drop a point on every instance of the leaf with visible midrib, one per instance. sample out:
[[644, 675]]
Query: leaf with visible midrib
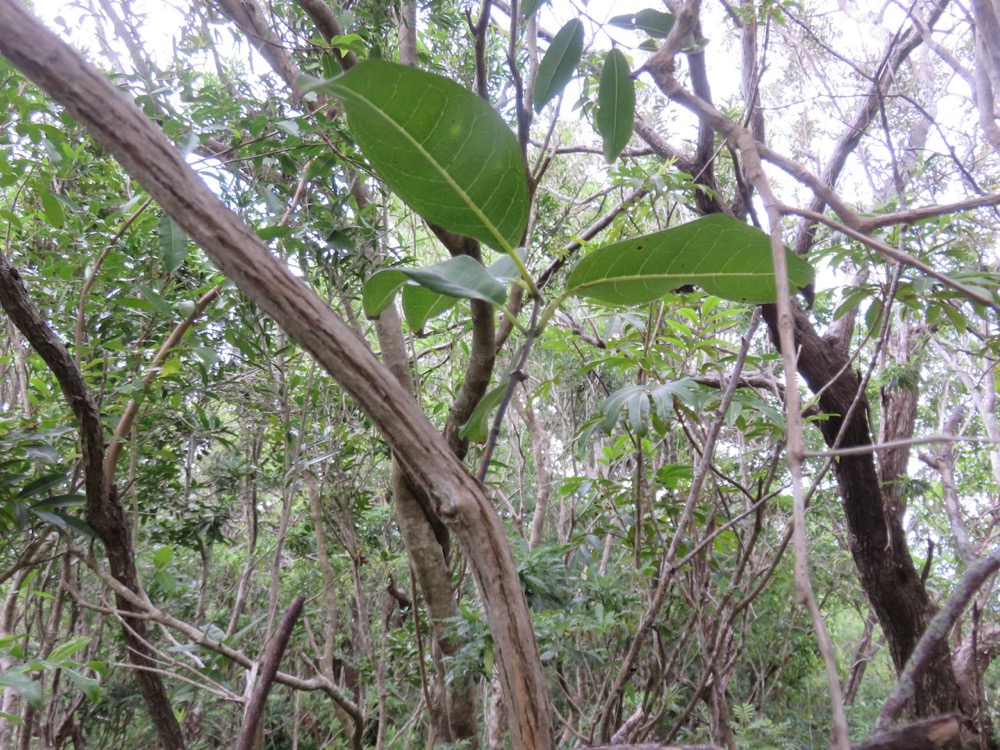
[[615, 104], [723, 256], [439, 147], [173, 244], [559, 63]]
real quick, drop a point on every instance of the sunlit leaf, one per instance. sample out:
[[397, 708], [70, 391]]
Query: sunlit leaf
[[163, 556], [68, 648], [171, 367], [615, 104], [438, 146], [559, 63], [723, 256]]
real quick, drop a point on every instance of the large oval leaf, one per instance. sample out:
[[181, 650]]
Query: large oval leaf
[[441, 148], [615, 104], [559, 63], [723, 256]]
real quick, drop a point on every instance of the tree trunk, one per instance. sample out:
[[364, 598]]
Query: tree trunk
[[876, 538]]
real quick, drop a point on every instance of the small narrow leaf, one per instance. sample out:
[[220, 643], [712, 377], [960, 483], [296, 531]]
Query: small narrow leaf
[[42, 485], [70, 647], [173, 244], [641, 402], [615, 104], [723, 256], [442, 149], [559, 63]]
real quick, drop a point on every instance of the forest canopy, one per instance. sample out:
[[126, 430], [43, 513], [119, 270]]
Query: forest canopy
[[540, 374]]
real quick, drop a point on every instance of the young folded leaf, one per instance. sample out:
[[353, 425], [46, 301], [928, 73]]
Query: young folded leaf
[[615, 104], [461, 276], [444, 151], [723, 256], [559, 63]]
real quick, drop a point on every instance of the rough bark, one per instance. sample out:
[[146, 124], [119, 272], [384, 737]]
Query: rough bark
[[457, 498], [876, 539]]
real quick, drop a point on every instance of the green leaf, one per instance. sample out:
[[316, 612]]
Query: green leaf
[[615, 104], [42, 485], [460, 276], [477, 429], [559, 63], [420, 304], [723, 256], [70, 647], [530, 7], [654, 22], [88, 685], [639, 401], [75, 500], [162, 557], [27, 688], [441, 148], [53, 208], [173, 244]]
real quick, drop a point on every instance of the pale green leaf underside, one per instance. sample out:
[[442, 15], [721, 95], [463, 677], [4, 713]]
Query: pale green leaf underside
[[723, 256], [439, 147], [459, 277], [425, 298], [615, 104]]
